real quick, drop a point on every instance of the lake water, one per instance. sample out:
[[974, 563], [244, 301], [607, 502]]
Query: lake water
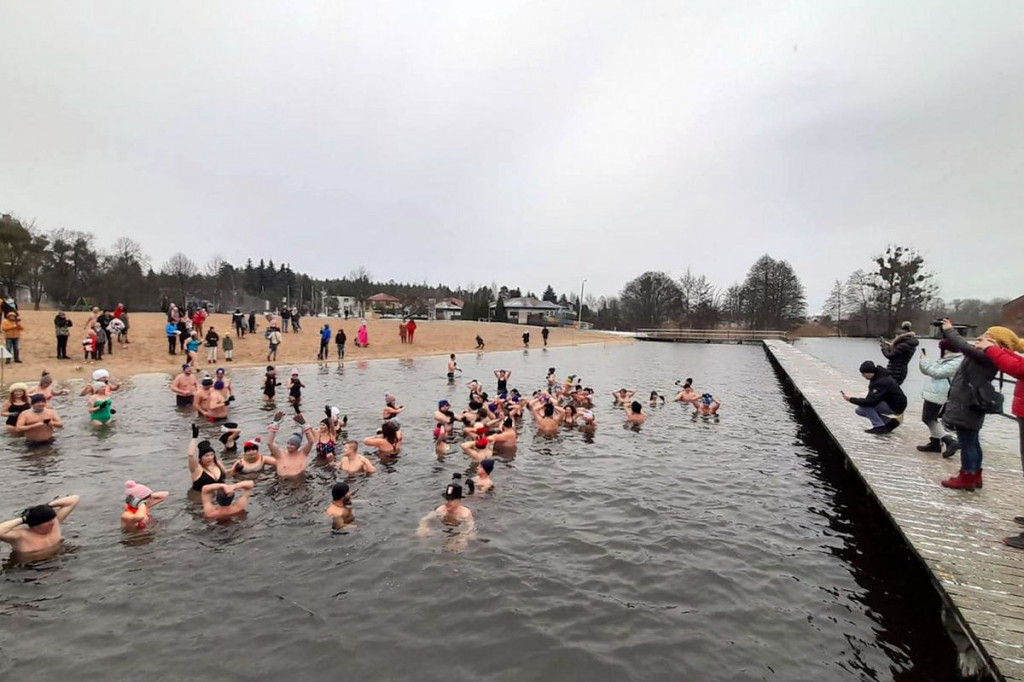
[[685, 551]]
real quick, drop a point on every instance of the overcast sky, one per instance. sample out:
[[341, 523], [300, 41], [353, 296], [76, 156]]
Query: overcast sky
[[526, 143]]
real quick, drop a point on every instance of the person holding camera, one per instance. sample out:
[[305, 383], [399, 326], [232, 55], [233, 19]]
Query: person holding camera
[[969, 400], [885, 401], [38, 423], [935, 393], [900, 351]]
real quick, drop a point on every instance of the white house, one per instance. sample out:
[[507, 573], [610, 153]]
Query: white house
[[527, 309], [351, 304], [448, 309]]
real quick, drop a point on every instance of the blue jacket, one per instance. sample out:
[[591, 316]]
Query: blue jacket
[[941, 372], [325, 333]]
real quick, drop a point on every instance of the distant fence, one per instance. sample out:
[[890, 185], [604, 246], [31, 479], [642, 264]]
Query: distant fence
[[712, 335]]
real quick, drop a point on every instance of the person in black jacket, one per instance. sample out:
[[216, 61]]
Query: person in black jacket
[[62, 325], [885, 400], [900, 351], [961, 412]]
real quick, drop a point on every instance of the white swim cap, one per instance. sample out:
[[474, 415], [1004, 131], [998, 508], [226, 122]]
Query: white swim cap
[[100, 375]]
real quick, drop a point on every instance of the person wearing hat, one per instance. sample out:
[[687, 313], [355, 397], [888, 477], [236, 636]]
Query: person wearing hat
[[100, 376], [935, 392], [12, 334], [16, 403], [229, 347], [38, 528], [963, 412], [482, 481], [62, 328], [900, 351], [221, 502], [38, 423], [221, 376], [452, 512], [252, 462], [100, 405], [184, 387], [203, 466], [479, 448], [885, 401], [294, 456], [339, 511], [138, 501]]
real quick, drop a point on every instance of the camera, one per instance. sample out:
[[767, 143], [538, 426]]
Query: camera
[[937, 323]]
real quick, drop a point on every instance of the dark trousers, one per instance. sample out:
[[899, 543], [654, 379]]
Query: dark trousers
[[62, 347], [99, 351], [322, 355], [970, 449], [172, 344]]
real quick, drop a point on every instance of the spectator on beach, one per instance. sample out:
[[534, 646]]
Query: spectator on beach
[[238, 320], [339, 342], [89, 346], [229, 347], [885, 401], [101, 339], [212, 343], [62, 328], [172, 337], [935, 394], [12, 336], [198, 320], [411, 330], [479, 342], [966, 407], [286, 317], [183, 333], [273, 341], [325, 342], [544, 334], [403, 332], [296, 317], [116, 331], [900, 351], [362, 336], [252, 321]]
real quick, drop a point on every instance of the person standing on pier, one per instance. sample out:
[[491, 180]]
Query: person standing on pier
[[900, 351], [935, 393], [884, 402]]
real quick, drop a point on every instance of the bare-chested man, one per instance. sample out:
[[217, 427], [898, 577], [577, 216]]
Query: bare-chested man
[[351, 462], [547, 416], [184, 387], [293, 458], [38, 423], [340, 509], [635, 412], [37, 530], [451, 513], [220, 501]]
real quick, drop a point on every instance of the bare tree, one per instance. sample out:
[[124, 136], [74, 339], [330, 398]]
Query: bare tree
[[127, 251], [182, 271]]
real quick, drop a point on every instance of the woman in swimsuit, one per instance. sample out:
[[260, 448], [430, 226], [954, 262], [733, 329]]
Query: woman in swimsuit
[[270, 384], [203, 465], [229, 436], [16, 403], [325, 440], [138, 500], [46, 389], [252, 461], [192, 348], [502, 377], [390, 409], [100, 411], [388, 442]]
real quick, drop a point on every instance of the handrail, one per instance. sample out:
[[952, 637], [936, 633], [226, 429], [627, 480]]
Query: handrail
[[713, 334]]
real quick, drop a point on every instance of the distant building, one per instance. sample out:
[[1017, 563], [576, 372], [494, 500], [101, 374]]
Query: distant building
[[385, 303], [529, 310], [349, 305], [448, 309], [1013, 314]]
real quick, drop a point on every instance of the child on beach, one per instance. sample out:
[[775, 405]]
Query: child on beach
[[89, 346], [229, 346]]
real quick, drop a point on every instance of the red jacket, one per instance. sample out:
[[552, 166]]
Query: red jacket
[[1012, 364]]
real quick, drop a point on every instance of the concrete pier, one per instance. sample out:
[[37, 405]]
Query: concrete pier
[[957, 535]]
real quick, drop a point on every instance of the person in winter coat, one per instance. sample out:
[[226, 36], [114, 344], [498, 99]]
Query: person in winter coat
[[900, 351], [961, 411], [1008, 362], [935, 393], [885, 401], [325, 342], [212, 343]]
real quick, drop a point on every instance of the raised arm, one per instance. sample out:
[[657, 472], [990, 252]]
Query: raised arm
[[307, 431], [272, 430], [960, 343], [193, 450], [8, 528], [64, 506]]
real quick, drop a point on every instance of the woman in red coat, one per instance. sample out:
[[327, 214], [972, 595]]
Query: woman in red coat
[[1010, 363], [411, 327]]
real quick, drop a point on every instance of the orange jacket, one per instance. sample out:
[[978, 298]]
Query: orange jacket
[[11, 329]]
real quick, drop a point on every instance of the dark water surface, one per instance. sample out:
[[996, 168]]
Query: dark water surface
[[685, 551]]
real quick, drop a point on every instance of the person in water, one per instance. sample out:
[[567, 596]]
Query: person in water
[[480, 448], [546, 415], [252, 462], [220, 500], [452, 367], [38, 423], [388, 442], [634, 412], [46, 389], [16, 403], [227, 389], [507, 438], [351, 462], [184, 387], [708, 405], [270, 384], [482, 481], [452, 512], [655, 397], [295, 390], [622, 396], [687, 394], [294, 457], [339, 511], [100, 410], [38, 528], [885, 402], [203, 466], [391, 410], [100, 376], [502, 375], [138, 501]]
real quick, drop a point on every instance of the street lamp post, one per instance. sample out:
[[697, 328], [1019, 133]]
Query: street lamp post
[[579, 318]]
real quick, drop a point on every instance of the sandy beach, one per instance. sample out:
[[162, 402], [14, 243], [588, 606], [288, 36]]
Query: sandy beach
[[147, 350]]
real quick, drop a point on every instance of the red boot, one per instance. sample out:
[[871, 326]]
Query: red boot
[[962, 481], [977, 479]]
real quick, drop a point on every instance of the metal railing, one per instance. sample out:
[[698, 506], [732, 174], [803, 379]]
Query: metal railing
[[712, 334]]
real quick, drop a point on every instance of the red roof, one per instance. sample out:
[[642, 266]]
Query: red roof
[[383, 298]]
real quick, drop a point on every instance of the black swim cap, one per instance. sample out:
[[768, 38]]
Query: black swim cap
[[38, 515], [339, 491], [205, 447], [487, 465], [223, 499], [454, 489]]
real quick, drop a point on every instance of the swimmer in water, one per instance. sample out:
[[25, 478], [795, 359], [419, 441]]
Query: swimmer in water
[[388, 442], [391, 410], [655, 397], [38, 423], [338, 421], [226, 388], [37, 530], [687, 394], [184, 387], [252, 462], [635, 413], [551, 379], [16, 403], [230, 433], [569, 415], [707, 406], [453, 367], [216, 402], [293, 459], [452, 512], [502, 375], [482, 481], [203, 466], [295, 390], [220, 501], [622, 396], [46, 389], [270, 384], [546, 415], [507, 438], [100, 412], [480, 448], [339, 511], [351, 462], [138, 501], [325, 439], [103, 376]]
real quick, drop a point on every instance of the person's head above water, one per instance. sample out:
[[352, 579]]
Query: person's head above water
[[487, 465], [636, 407], [224, 499], [549, 409], [390, 432], [453, 491], [341, 493], [294, 442], [39, 519], [18, 390], [442, 404], [389, 399], [136, 493]]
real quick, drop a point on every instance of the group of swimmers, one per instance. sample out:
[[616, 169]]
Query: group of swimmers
[[486, 429]]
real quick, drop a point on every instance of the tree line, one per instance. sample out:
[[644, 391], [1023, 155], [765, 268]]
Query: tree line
[[70, 270]]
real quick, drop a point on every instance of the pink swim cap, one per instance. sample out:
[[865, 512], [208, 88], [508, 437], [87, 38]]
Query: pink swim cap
[[133, 489]]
